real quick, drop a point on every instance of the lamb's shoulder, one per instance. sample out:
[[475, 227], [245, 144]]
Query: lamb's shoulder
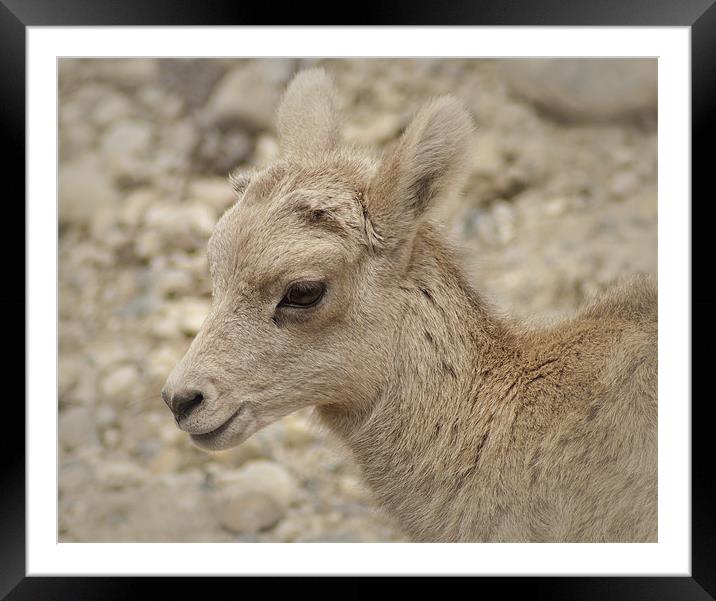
[[631, 299]]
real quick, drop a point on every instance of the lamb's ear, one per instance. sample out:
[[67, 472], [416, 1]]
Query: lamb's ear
[[307, 117], [240, 179], [428, 161]]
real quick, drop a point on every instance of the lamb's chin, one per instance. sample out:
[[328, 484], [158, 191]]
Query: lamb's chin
[[237, 430]]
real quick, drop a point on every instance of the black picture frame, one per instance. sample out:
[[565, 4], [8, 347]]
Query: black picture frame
[[17, 15]]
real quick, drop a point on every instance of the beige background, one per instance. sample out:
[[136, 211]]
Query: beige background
[[561, 201]]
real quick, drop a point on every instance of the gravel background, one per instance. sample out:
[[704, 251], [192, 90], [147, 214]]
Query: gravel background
[[561, 202]]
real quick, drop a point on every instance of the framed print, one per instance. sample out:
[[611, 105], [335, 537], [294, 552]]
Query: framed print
[[224, 346]]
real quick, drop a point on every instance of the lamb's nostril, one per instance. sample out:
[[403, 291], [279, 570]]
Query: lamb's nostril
[[185, 401]]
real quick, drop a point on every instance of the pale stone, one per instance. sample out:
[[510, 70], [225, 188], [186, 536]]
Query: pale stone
[[120, 383], [77, 428], [185, 226], [297, 431], [166, 461], [84, 187], [121, 474], [113, 107], [215, 191], [125, 148], [266, 150], [248, 95], [260, 476], [250, 513], [586, 88]]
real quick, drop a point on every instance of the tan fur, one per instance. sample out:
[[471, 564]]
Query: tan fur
[[466, 426]]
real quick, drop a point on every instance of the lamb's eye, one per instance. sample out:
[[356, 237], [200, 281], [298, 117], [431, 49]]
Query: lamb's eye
[[303, 294]]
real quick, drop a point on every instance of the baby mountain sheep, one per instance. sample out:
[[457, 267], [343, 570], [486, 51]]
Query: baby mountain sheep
[[331, 287]]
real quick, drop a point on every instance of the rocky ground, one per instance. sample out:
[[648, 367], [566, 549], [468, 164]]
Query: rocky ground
[[561, 202]]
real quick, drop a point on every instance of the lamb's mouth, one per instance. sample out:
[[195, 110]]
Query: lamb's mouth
[[206, 436]]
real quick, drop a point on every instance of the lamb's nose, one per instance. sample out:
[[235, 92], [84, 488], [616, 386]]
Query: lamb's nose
[[183, 402]]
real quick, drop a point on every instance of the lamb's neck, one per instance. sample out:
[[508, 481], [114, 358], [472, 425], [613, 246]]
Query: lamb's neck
[[434, 414]]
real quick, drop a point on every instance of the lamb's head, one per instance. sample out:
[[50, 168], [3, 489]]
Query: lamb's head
[[306, 267]]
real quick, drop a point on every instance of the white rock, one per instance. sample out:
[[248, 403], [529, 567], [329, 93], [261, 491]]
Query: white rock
[[170, 282], [68, 370], [125, 149], [105, 416], [77, 428], [215, 191], [185, 226], [265, 477], [297, 431], [248, 450], [119, 385], [379, 130], [147, 244], [184, 316], [351, 488], [250, 513], [84, 187], [623, 183], [193, 312], [266, 149], [112, 108], [586, 88], [248, 95], [161, 362], [130, 72], [487, 158], [121, 474], [556, 206], [504, 218], [74, 476], [134, 206], [111, 438], [166, 461], [167, 106]]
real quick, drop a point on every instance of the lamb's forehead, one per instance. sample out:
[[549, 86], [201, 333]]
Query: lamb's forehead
[[318, 207]]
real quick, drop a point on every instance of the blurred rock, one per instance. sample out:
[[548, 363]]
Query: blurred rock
[[586, 89], [130, 73], [118, 385], [166, 461], [134, 206], [378, 131], [68, 369], [623, 183], [74, 475], [266, 150], [260, 476], [248, 95], [297, 431], [183, 317], [111, 108], [486, 157], [247, 451], [125, 149], [185, 226], [84, 187], [121, 474], [190, 79], [351, 488], [219, 152], [105, 416], [250, 513], [76, 427], [215, 191], [172, 282], [504, 219]]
